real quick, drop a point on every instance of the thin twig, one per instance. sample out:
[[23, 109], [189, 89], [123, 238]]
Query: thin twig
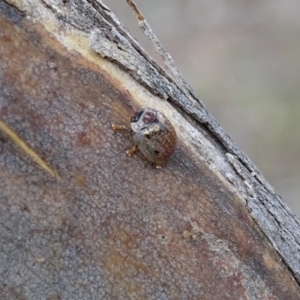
[[28, 150], [167, 58]]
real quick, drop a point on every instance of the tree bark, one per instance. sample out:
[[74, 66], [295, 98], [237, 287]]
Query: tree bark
[[205, 226]]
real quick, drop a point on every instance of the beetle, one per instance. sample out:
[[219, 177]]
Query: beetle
[[154, 135]]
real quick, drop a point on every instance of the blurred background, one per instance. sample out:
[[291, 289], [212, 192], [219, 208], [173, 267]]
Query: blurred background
[[243, 60]]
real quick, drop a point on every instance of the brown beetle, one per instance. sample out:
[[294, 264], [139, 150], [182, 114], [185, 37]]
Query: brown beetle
[[154, 135]]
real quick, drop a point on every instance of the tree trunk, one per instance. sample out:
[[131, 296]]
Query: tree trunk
[[108, 226]]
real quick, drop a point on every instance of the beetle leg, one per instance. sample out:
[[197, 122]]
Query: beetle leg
[[132, 150], [119, 127]]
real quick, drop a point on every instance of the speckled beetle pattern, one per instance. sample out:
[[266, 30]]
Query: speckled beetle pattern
[[154, 135]]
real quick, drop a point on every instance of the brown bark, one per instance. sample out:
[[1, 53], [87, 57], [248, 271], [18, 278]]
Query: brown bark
[[206, 226]]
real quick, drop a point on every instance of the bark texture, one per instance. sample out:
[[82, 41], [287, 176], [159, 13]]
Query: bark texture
[[206, 226]]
